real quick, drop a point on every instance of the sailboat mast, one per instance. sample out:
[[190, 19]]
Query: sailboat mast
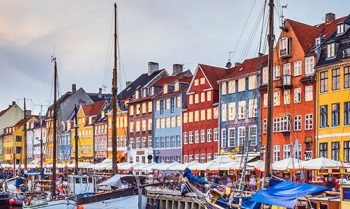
[[76, 140], [41, 139], [271, 38], [114, 99], [53, 182], [25, 134]]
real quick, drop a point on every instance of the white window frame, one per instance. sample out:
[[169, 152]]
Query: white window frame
[[223, 138], [297, 68], [231, 137], [308, 93]]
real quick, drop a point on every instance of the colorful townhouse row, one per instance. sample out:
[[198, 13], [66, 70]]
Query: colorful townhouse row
[[164, 117]]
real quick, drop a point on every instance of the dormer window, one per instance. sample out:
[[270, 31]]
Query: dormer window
[[144, 92], [165, 89], [152, 90], [176, 86], [137, 94], [285, 47], [317, 42], [340, 29], [330, 50]]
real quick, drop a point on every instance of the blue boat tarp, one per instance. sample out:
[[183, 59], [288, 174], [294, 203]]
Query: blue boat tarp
[[194, 178], [285, 194]]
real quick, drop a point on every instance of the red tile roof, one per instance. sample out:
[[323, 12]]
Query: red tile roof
[[306, 34], [186, 79], [213, 74], [94, 108], [169, 79], [248, 66]]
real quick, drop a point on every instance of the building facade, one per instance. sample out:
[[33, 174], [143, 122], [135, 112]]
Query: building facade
[[333, 94], [294, 115], [200, 132], [240, 107], [167, 108]]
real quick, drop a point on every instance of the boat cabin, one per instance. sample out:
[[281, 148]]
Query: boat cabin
[[81, 184]]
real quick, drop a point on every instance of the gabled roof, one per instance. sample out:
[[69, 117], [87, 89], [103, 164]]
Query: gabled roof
[[5, 110], [213, 74], [328, 29], [170, 79], [93, 109], [141, 81], [247, 67]]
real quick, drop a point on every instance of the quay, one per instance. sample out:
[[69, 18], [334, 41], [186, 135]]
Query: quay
[[172, 199]]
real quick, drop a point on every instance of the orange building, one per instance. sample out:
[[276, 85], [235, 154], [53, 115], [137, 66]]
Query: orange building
[[294, 119]]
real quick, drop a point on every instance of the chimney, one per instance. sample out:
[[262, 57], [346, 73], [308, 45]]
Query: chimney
[[152, 67], [74, 88], [330, 17], [13, 104], [177, 68], [237, 63], [127, 83], [99, 92]]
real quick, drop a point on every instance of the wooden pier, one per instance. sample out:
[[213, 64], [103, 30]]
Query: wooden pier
[[171, 199]]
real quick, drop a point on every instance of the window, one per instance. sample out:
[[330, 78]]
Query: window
[[276, 73], [162, 123], [309, 65], [276, 153], [209, 157], [131, 127], [216, 134], [196, 82], [308, 93], [138, 109], [223, 138], [323, 150], [323, 81], [335, 151], [173, 122], [252, 82], [209, 136], [138, 124], [285, 47], [241, 136], [253, 136], [335, 79], [172, 104], [196, 136], [265, 100], [286, 151], [216, 113], [347, 151], [286, 96], [190, 99], [297, 68], [178, 121], [331, 50], [223, 112], [308, 122], [203, 157], [150, 106], [178, 98], [231, 137], [185, 137], [202, 96], [347, 77], [265, 75], [232, 86], [190, 117], [276, 98], [202, 115], [196, 98], [297, 95], [185, 159], [190, 137], [241, 110], [161, 106], [281, 124], [241, 85], [324, 116], [209, 114], [208, 96], [202, 135], [131, 110], [202, 81], [335, 114], [168, 104], [346, 113], [196, 157], [190, 158], [149, 124], [340, 28], [185, 117], [196, 116], [265, 126], [223, 88], [253, 105], [231, 111]]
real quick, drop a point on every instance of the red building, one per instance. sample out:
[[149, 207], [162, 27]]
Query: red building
[[200, 117], [294, 114]]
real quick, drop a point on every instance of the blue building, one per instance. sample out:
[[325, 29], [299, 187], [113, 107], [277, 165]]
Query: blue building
[[167, 115], [239, 106], [64, 138]]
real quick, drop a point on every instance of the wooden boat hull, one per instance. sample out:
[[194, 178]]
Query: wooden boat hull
[[107, 196]]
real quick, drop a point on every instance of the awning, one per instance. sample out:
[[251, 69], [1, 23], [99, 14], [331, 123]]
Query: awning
[[321, 163], [288, 164]]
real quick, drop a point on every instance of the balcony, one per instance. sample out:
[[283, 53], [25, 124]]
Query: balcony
[[285, 53], [308, 78]]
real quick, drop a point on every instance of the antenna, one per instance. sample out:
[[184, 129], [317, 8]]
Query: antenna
[[284, 7]]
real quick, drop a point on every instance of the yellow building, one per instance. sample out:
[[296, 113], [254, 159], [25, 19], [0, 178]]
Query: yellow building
[[86, 117], [122, 133], [8, 146], [333, 98]]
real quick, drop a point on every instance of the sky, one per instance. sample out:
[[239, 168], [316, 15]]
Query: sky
[[79, 34]]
